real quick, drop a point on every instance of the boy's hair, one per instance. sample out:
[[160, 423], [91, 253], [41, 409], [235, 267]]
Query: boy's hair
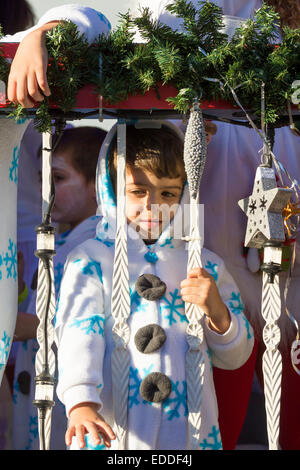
[[159, 151], [15, 16], [82, 145], [210, 127]]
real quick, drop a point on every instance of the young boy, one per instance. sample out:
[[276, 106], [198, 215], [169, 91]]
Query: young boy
[[154, 176], [74, 167]]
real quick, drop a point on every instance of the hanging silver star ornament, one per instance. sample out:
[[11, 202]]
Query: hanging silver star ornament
[[264, 209]]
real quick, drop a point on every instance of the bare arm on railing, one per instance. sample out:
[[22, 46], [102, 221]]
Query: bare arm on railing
[[28, 74]]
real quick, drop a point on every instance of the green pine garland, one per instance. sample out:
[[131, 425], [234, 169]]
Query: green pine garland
[[197, 60]]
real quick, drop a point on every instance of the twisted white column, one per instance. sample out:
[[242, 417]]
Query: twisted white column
[[194, 356], [272, 361], [45, 282], [120, 302]]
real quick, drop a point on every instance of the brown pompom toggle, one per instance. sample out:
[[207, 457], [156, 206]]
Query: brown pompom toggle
[[150, 338], [150, 287], [156, 387], [24, 382]]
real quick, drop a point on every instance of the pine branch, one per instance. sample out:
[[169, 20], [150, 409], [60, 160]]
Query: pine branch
[[195, 59]]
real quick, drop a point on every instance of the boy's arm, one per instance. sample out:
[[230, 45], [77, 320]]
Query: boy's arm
[[79, 332], [228, 333], [231, 349], [28, 80]]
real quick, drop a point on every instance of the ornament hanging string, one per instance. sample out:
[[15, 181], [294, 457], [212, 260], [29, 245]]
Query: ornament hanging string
[[294, 186]]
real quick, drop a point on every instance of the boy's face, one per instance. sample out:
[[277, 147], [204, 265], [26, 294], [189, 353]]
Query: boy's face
[[74, 196], [149, 201]]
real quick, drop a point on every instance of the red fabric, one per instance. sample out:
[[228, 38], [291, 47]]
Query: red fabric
[[233, 388]]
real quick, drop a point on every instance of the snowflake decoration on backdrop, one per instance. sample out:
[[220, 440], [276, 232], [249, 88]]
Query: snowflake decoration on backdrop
[[11, 261], [175, 306], [4, 349], [33, 431], [13, 169], [215, 440], [1, 263]]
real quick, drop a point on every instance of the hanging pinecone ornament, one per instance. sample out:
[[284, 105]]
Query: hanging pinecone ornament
[[195, 150], [194, 160]]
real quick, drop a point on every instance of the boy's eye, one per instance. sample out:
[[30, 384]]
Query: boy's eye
[[168, 194], [138, 192], [58, 178]]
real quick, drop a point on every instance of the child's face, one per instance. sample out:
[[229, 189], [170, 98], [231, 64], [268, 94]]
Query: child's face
[[149, 201], [74, 197]]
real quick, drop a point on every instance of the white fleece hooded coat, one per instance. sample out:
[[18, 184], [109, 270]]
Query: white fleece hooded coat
[[84, 330]]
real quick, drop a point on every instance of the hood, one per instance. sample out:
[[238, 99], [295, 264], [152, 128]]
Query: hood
[[107, 205]]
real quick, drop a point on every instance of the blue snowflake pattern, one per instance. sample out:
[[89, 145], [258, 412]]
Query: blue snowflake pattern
[[248, 327], [136, 302], [92, 267], [62, 238], [58, 274], [90, 446], [16, 391], [133, 387], [168, 241], [178, 399], [235, 303], [10, 261], [108, 196], [101, 238], [175, 306], [212, 269], [21, 121], [90, 324], [151, 257], [4, 349], [171, 406], [33, 431], [13, 170], [208, 352], [134, 397], [215, 440]]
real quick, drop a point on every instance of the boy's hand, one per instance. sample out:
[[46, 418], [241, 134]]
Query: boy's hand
[[27, 79], [200, 288], [85, 419]]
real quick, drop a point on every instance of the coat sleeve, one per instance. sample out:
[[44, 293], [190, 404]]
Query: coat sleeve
[[79, 331], [232, 349], [89, 22]]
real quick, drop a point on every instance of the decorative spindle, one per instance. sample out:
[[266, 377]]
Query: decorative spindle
[[120, 302], [272, 360], [45, 303], [194, 159]]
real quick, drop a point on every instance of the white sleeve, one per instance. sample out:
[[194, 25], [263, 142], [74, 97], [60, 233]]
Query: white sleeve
[[88, 21], [232, 349], [79, 331]]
